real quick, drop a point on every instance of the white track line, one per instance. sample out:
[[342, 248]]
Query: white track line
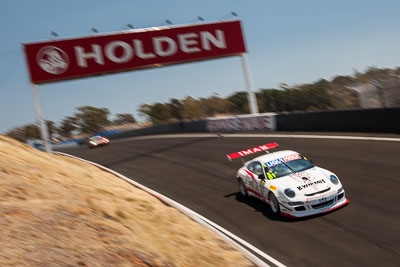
[[311, 136], [239, 243], [308, 136]]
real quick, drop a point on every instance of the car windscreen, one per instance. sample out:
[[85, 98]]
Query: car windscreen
[[287, 165], [299, 165], [279, 170]]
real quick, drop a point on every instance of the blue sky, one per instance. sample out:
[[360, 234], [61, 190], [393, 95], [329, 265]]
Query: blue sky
[[289, 42]]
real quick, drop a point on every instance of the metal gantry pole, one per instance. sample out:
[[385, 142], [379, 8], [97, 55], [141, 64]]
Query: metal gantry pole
[[249, 83], [39, 118]]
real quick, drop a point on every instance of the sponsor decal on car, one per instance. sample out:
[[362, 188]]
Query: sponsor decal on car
[[301, 187], [251, 151], [284, 159], [302, 177]]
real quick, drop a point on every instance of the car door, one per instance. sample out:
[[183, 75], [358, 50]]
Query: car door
[[256, 168], [252, 176]]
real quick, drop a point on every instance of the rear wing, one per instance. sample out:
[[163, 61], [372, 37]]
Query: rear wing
[[252, 150]]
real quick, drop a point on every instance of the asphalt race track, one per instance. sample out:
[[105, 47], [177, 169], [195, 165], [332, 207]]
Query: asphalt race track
[[195, 172]]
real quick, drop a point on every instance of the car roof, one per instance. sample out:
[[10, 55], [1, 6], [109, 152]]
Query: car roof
[[274, 155], [96, 137]]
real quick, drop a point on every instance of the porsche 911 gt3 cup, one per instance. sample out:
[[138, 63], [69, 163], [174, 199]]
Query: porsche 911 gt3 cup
[[289, 182]]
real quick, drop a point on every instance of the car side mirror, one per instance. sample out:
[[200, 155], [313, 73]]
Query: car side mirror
[[261, 176]]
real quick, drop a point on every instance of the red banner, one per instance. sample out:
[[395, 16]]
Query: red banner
[[135, 49]]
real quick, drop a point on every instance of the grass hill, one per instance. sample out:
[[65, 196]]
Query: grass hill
[[58, 211]]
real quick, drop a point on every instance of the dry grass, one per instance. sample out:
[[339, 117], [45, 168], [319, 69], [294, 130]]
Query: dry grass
[[58, 211]]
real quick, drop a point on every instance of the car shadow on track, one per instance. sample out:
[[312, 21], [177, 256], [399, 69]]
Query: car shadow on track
[[153, 153], [265, 209]]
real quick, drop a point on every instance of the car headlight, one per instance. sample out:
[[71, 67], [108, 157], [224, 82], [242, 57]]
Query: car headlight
[[289, 193], [334, 179]]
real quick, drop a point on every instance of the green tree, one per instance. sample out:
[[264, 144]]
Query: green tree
[[156, 113], [25, 133], [91, 119], [215, 104], [304, 97], [31, 131], [342, 81], [145, 110], [123, 118], [271, 100], [51, 128], [315, 96], [191, 108], [176, 109], [17, 133], [239, 103], [67, 127]]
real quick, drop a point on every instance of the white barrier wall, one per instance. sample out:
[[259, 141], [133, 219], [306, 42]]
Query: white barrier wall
[[248, 122]]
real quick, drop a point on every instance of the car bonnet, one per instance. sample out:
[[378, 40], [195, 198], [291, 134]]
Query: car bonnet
[[306, 182]]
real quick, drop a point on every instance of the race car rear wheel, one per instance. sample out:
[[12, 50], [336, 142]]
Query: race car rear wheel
[[274, 204], [242, 188]]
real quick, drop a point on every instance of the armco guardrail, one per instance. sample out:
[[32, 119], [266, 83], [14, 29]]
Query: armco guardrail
[[178, 127], [358, 120], [385, 120], [260, 122]]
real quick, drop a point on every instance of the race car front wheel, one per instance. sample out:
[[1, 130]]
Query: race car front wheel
[[242, 188], [273, 202]]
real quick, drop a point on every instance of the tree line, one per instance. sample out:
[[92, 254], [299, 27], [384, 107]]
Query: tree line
[[86, 120], [337, 93], [269, 100]]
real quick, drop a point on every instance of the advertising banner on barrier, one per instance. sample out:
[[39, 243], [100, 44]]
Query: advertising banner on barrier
[[73, 58], [261, 122]]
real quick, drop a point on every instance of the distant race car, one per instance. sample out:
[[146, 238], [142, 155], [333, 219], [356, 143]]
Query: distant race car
[[97, 140], [289, 182]]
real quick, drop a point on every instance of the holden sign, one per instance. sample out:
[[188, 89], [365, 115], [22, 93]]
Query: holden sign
[[135, 49], [52, 60]]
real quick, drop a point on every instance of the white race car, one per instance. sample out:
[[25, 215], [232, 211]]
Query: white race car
[[96, 141], [289, 182]]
